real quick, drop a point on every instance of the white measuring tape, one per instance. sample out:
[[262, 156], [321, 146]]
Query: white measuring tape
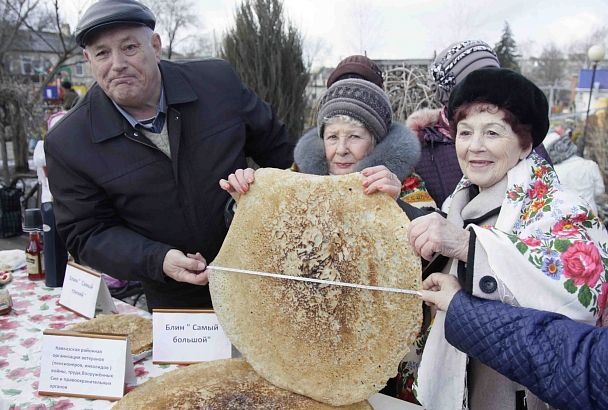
[[313, 280]]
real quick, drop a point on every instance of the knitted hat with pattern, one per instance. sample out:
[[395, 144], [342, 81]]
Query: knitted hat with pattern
[[454, 63], [359, 99]]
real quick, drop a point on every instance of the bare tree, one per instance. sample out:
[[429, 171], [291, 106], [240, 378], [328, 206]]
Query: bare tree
[[198, 45], [459, 21], [13, 13], [172, 18], [408, 91], [19, 21], [366, 27], [314, 50], [577, 51], [14, 106], [550, 66]]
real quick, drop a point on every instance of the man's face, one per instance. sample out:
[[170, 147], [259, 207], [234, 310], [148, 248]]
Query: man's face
[[124, 61]]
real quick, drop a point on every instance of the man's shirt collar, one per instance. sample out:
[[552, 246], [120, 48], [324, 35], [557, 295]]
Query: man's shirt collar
[[155, 124]]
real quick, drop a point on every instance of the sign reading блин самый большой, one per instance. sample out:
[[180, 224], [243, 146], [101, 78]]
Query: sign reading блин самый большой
[[188, 336]]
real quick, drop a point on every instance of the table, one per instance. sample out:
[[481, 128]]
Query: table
[[35, 308]]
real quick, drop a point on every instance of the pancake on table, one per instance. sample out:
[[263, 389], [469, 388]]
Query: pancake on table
[[335, 344], [219, 385], [138, 329]]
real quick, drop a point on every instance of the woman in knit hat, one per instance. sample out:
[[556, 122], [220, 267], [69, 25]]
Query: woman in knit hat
[[511, 234], [355, 132], [438, 165]]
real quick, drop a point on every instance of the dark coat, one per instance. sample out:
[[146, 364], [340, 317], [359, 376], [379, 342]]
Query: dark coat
[[121, 203], [562, 361]]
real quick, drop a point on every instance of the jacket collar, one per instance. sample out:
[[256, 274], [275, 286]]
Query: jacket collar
[[108, 123]]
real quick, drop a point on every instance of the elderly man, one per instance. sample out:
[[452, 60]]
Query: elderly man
[[133, 168]]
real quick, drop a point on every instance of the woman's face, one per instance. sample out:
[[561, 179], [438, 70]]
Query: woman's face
[[345, 145], [487, 147]]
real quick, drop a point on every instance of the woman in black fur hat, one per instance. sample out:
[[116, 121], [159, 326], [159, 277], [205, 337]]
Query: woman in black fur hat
[[511, 234]]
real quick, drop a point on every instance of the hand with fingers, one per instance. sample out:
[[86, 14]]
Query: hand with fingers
[[433, 233], [238, 183], [381, 179], [190, 268], [439, 289]]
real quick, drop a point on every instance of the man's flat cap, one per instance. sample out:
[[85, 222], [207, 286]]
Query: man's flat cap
[[106, 13]]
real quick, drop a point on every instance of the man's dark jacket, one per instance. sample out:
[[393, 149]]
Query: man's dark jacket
[[121, 203], [561, 361]]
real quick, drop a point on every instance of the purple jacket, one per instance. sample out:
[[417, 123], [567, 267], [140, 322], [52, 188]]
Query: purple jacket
[[562, 361]]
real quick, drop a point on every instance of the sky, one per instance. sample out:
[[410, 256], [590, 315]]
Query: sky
[[394, 29]]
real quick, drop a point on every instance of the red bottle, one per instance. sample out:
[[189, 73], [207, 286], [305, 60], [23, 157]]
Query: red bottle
[[34, 258]]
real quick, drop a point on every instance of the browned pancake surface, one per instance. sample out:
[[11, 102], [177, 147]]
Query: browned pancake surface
[[138, 329], [220, 385], [334, 344]]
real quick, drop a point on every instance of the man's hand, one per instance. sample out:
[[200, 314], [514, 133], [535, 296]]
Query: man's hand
[[433, 233], [380, 179], [238, 183], [439, 289], [190, 268]]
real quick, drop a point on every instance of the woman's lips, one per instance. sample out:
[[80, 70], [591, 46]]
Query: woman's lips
[[480, 163], [344, 165]]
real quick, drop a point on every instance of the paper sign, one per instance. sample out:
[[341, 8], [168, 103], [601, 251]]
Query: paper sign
[[85, 292], [188, 336], [86, 365]]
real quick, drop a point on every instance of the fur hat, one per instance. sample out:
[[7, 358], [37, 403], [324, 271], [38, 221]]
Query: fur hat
[[359, 99], [356, 66], [505, 89], [106, 13], [454, 63]]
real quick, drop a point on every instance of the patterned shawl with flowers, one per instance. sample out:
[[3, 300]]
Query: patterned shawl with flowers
[[547, 250], [558, 234]]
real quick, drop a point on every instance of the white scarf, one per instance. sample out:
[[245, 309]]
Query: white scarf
[[547, 249]]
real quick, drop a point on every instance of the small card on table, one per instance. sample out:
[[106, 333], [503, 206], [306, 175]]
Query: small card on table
[[88, 365], [85, 292], [185, 336]]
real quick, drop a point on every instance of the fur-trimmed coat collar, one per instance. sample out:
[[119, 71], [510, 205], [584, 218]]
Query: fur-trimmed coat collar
[[399, 151]]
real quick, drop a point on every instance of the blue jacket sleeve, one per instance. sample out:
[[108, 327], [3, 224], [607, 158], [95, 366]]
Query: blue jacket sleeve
[[562, 361]]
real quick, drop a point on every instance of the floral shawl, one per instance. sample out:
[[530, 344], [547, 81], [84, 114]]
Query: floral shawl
[[547, 250]]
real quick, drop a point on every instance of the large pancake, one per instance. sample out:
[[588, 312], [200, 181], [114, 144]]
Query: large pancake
[[220, 385], [334, 344]]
